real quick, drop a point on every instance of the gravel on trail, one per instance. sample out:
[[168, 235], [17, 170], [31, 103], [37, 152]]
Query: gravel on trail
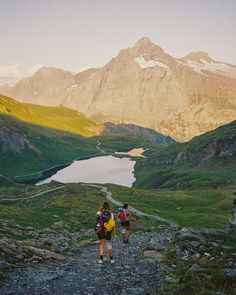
[[80, 273]]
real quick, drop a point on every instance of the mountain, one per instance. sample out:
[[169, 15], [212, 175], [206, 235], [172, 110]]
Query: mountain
[[207, 161], [68, 120], [134, 130], [143, 85]]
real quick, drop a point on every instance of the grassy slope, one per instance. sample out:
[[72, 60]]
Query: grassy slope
[[49, 147], [212, 173], [60, 118], [74, 207], [69, 204], [194, 208], [46, 148], [76, 204]]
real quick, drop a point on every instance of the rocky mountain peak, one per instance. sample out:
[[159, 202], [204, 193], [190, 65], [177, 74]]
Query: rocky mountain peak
[[145, 45], [199, 57], [145, 49], [143, 41], [51, 71]]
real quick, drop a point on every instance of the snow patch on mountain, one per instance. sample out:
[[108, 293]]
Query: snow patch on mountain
[[215, 67], [149, 63]]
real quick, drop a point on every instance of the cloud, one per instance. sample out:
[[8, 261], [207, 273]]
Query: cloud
[[16, 71], [11, 71], [33, 69]]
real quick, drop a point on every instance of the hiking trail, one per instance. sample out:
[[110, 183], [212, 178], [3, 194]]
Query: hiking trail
[[78, 272]]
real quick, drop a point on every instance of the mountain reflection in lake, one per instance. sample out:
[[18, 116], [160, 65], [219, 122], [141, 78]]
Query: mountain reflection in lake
[[106, 169]]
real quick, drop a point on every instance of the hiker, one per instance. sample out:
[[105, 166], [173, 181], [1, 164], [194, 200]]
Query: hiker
[[124, 216], [105, 226]]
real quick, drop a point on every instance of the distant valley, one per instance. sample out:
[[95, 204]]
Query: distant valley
[[35, 138]]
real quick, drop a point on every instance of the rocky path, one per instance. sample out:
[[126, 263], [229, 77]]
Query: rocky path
[[137, 270]]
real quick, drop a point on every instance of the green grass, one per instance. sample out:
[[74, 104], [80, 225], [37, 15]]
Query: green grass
[[46, 148], [75, 205], [191, 208], [164, 167], [60, 118]]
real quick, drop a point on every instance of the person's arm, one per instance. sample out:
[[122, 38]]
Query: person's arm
[[114, 228], [132, 218], [114, 231]]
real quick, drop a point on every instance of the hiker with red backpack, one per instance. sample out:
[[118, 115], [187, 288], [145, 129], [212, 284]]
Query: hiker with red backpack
[[105, 226], [124, 216]]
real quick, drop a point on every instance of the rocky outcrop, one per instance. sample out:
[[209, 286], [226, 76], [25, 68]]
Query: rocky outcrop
[[144, 86], [221, 148], [11, 138]]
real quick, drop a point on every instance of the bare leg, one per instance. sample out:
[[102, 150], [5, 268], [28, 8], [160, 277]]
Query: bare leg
[[102, 247], [110, 252], [109, 248], [127, 234], [123, 233]]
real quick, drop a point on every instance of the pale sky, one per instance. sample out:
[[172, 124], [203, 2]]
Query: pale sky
[[77, 34]]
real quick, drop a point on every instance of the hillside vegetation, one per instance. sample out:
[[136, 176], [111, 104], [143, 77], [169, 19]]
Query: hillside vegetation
[[28, 149], [35, 138], [207, 161], [60, 118]]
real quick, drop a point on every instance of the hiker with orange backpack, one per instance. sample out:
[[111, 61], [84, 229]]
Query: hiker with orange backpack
[[124, 216], [105, 226]]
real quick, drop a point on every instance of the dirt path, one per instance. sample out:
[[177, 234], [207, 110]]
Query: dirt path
[[98, 147], [136, 211], [35, 195], [109, 198]]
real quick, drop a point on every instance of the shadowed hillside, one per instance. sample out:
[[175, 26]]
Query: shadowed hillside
[[208, 160]]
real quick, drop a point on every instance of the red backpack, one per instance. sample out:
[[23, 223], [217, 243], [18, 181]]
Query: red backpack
[[105, 216], [122, 215]]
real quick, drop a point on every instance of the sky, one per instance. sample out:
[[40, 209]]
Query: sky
[[78, 34]]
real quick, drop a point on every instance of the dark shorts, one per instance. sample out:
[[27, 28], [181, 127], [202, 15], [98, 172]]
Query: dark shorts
[[126, 224], [104, 235]]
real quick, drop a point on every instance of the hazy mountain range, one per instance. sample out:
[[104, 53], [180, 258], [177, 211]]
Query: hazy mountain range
[[142, 85]]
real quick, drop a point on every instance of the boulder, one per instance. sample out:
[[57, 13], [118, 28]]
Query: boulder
[[231, 272], [196, 268]]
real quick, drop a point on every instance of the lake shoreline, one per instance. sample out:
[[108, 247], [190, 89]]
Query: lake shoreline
[[100, 169], [51, 171]]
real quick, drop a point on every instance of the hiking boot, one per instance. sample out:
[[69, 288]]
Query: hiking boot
[[112, 261], [100, 261]]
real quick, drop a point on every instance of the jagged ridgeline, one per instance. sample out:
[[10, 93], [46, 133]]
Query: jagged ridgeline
[[34, 138], [207, 161], [145, 86]]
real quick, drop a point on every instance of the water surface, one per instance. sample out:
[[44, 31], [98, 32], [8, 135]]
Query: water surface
[[105, 169]]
